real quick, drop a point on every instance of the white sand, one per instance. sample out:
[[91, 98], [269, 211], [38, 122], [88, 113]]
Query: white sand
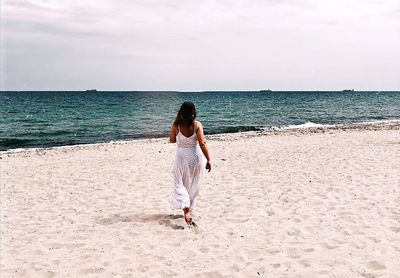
[[286, 205]]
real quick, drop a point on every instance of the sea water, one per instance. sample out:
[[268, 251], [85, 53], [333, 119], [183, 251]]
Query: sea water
[[46, 119]]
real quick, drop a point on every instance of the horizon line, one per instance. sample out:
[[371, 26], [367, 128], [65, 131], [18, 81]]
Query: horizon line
[[202, 91]]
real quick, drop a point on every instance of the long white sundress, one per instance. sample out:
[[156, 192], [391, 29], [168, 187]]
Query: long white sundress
[[188, 170]]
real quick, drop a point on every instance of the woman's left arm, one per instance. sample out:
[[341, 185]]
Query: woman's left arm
[[203, 146], [172, 134]]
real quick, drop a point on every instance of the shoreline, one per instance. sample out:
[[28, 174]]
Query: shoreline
[[306, 128]]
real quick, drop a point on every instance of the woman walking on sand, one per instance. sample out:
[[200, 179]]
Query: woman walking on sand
[[192, 157]]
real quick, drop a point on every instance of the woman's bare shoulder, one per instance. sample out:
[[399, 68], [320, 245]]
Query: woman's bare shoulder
[[198, 124]]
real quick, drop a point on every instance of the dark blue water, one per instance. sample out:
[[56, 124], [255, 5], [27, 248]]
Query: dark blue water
[[44, 119]]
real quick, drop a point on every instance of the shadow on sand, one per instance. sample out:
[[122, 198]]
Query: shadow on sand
[[162, 219]]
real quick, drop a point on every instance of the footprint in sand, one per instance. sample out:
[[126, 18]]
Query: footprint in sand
[[143, 268], [329, 247], [48, 274], [270, 213], [93, 271], [294, 232], [204, 250], [273, 251], [297, 220], [376, 265], [374, 239], [239, 259], [368, 275], [305, 263], [395, 229]]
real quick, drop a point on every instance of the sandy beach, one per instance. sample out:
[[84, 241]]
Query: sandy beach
[[322, 203]]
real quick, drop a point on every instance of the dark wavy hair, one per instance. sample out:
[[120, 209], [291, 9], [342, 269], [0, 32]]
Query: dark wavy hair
[[186, 114]]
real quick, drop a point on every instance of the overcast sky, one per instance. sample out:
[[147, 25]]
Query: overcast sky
[[193, 45]]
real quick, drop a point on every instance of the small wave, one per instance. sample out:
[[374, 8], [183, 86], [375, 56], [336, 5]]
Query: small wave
[[379, 122], [306, 125], [72, 146], [18, 150]]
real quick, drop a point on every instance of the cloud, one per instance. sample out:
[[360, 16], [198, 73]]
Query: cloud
[[198, 45]]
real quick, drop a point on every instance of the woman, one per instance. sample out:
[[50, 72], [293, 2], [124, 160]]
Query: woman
[[189, 161]]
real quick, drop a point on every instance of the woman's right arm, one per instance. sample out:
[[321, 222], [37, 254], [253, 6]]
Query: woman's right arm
[[172, 134], [203, 146]]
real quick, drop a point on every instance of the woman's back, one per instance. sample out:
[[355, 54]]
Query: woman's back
[[185, 140]]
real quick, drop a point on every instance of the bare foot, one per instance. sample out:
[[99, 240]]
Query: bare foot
[[188, 217]]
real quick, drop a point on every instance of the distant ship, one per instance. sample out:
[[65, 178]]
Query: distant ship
[[348, 90], [91, 91], [265, 91]]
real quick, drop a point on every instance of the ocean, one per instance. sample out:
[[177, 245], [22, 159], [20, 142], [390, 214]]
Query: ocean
[[54, 118]]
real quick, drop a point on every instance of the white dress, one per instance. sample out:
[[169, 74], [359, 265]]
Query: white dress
[[188, 170]]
